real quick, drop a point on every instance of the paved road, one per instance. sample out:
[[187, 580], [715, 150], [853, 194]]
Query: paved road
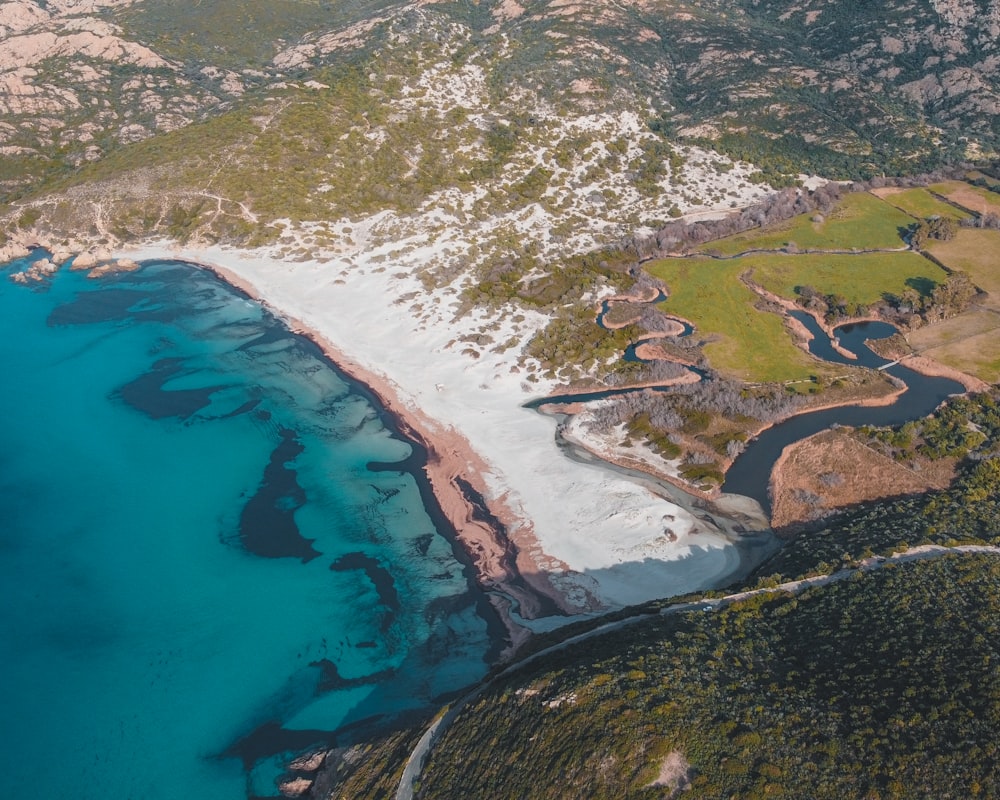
[[418, 757]]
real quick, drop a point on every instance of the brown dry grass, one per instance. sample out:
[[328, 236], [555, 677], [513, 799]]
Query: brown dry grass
[[969, 343], [977, 252], [862, 475], [973, 198]]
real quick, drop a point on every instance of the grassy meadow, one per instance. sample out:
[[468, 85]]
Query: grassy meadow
[[862, 278], [860, 222], [919, 203], [745, 343]]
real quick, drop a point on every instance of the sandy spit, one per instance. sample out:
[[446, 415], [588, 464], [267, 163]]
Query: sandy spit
[[935, 369]]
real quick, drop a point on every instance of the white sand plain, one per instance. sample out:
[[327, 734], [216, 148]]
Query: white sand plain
[[601, 540]]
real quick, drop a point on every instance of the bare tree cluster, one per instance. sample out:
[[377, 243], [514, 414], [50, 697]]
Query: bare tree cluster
[[730, 398], [913, 181], [681, 235], [989, 220], [654, 321], [670, 411], [628, 406]]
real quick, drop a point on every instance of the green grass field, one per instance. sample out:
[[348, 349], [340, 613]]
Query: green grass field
[[750, 344], [920, 203], [861, 221], [862, 278]]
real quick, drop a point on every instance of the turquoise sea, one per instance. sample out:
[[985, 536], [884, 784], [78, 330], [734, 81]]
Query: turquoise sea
[[215, 549]]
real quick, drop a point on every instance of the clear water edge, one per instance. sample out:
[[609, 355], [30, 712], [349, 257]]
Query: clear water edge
[[145, 640]]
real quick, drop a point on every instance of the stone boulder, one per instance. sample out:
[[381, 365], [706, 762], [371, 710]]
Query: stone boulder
[[84, 261]]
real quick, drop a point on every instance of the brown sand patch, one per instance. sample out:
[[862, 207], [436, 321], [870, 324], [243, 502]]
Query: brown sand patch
[[929, 366], [886, 191], [651, 352], [833, 470]]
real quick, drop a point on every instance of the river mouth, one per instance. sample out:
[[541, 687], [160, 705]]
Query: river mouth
[[738, 519]]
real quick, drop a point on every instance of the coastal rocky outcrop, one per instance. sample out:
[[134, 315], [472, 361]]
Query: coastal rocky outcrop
[[114, 267], [85, 260], [296, 787], [12, 250], [62, 97], [38, 271]]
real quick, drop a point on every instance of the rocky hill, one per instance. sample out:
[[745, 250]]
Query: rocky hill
[[498, 106]]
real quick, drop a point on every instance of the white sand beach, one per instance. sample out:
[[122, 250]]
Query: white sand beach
[[587, 536]]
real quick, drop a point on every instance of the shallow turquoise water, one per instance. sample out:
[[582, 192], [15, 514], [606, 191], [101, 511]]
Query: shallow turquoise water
[[197, 565]]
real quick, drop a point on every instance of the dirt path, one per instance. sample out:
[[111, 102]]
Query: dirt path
[[418, 757]]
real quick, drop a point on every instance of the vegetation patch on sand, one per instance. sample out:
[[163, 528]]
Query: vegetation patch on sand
[[860, 221], [860, 279]]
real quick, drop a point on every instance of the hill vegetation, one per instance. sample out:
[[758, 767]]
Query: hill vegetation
[[880, 684], [787, 87], [525, 157]]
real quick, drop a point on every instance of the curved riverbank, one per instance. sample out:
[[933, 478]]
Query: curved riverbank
[[919, 395], [918, 392]]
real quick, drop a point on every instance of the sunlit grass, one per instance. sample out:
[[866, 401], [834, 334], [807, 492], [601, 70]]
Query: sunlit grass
[[920, 203], [860, 222], [862, 278], [746, 343]]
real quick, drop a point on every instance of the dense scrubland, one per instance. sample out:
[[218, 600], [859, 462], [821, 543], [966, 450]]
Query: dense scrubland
[[881, 684]]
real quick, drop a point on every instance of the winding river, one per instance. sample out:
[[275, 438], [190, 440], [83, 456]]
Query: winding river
[[750, 473]]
